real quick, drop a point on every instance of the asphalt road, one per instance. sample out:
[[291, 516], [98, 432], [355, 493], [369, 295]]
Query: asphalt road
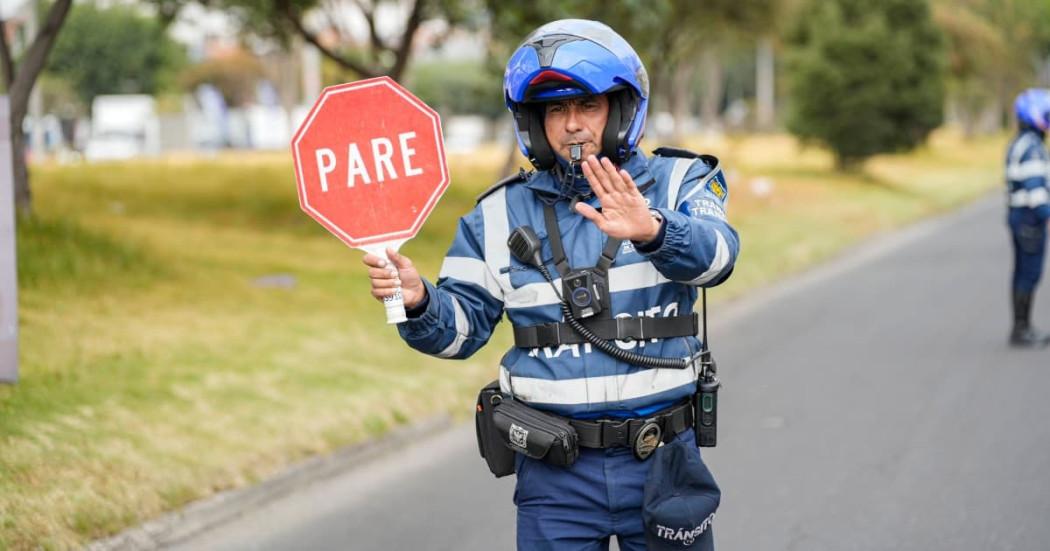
[[871, 404]]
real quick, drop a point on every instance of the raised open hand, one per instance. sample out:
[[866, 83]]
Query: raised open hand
[[625, 214]]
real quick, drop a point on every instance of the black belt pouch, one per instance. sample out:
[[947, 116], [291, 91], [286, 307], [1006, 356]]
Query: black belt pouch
[[493, 448], [537, 434]]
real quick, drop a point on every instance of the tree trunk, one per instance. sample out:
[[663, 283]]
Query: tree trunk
[[23, 196], [849, 165], [680, 99], [20, 83], [765, 82], [711, 103]]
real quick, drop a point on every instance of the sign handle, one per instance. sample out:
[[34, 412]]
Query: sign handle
[[395, 304]]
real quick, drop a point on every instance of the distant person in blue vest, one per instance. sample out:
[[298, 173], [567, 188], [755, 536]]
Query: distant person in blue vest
[[651, 230], [1027, 170]]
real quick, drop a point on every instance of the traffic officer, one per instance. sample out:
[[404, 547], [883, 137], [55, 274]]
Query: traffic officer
[[1027, 166], [579, 96]]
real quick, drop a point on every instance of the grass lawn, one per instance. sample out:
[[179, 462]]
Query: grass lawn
[[185, 329]]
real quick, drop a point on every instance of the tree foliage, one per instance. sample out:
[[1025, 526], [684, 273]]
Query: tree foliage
[[235, 76], [114, 50], [325, 25], [997, 48], [976, 50], [865, 77]]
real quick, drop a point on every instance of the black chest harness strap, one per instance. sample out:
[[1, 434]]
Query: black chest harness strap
[[622, 329], [550, 219]]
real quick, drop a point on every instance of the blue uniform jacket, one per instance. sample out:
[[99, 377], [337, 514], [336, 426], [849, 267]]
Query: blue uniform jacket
[[1027, 168], [480, 281]]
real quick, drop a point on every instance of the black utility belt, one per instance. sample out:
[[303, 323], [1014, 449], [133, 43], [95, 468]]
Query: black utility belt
[[505, 426], [621, 329], [611, 433]]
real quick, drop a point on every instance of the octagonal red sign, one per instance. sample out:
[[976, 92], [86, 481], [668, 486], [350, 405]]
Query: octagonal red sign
[[370, 162]]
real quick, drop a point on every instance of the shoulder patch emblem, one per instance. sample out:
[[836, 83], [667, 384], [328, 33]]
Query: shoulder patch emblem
[[717, 186]]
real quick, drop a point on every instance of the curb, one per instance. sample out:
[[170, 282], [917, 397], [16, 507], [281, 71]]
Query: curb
[[221, 508]]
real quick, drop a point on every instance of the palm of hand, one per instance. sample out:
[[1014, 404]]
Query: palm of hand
[[625, 214]]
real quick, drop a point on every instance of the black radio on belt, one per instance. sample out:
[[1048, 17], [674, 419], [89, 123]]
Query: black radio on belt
[[705, 402], [585, 290]]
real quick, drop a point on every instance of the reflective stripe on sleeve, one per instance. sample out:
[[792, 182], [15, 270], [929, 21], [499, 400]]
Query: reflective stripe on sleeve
[[718, 264], [462, 332], [471, 270], [595, 390]]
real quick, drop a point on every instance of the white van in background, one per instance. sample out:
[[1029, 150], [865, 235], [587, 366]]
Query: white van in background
[[122, 127]]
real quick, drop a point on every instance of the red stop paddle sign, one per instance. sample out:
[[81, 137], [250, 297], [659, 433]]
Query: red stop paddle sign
[[370, 166], [370, 162]]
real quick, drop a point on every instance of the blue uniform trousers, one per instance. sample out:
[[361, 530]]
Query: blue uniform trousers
[[1029, 240], [579, 508]]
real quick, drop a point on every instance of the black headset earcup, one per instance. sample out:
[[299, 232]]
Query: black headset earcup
[[542, 154], [610, 136]]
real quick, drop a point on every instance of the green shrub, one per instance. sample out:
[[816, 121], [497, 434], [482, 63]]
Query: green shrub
[[865, 77]]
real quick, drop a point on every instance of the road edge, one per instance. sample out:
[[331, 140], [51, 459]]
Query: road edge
[[224, 507]]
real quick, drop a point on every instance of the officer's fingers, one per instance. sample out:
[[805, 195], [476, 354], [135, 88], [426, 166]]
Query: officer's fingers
[[592, 179], [385, 283], [374, 261], [628, 182], [382, 273], [399, 260], [613, 176], [383, 293], [590, 213], [600, 174]]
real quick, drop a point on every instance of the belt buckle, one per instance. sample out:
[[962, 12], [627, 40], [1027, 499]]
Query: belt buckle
[[647, 440], [616, 433], [622, 330]]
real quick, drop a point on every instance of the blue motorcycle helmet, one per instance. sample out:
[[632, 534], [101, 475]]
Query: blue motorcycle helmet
[[1033, 109], [569, 58]]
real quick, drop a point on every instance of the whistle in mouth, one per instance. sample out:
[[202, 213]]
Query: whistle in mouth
[[576, 152]]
